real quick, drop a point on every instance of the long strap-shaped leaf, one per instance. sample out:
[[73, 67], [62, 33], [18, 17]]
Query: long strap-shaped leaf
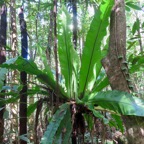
[[91, 57], [120, 102], [63, 133], [30, 67], [67, 55], [54, 125]]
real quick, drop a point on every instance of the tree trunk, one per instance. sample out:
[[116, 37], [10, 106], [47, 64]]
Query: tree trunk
[[13, 28], [74, 9], [116, 67], [3, 27], [50, 38], [23, 78]]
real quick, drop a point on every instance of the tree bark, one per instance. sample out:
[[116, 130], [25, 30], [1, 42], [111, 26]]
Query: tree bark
[[113, 63], [50, 38], [116, 68], [23, 78], [3, 29], [13, 28]]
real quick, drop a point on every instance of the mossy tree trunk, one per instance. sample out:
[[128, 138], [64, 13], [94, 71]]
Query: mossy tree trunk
[[116, 68]]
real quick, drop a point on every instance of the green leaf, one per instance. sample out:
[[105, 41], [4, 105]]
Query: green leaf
[[137, 60], [67, 55], [31, 108], [3, 72], [103, 84], [47, 80], [98, 114], [89, 120], [91, 57], [43, 57], [30, 67], [21, 64], [54, 124], [118, 121], [2, 2], [131, 44], [65, 129], [120, 102], [133, 5], [136, 26], [143, 25], [37, 89], [137, 64], [127, 8], [14, 98]]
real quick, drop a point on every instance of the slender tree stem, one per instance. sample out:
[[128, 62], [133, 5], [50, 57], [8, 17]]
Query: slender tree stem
[[23, 77], [3, 27]]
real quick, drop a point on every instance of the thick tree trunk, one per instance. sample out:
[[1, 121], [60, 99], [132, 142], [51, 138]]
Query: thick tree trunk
[[3, 27], [114, 62], [116, 68], [23, 77]]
